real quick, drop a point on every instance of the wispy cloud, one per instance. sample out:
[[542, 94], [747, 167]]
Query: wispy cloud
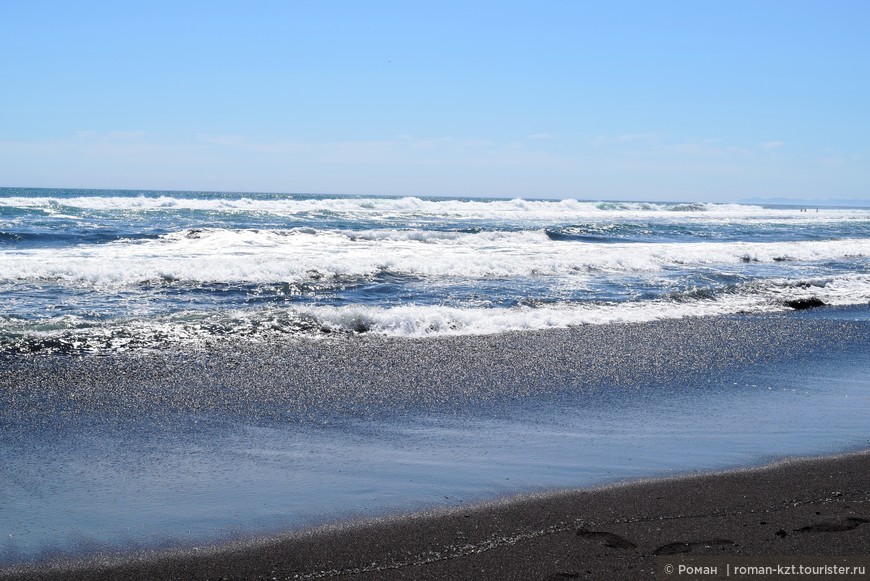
[[110, 136], [221, 161], [627, 166], [404, 149], [658, 145], [245, 143], [603, 141]]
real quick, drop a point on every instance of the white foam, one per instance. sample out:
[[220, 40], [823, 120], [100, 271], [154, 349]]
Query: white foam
[[517, 210], [248, 256], [422, 321], [415, 321]]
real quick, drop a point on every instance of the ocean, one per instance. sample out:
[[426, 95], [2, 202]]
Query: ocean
[[185, 369], [86, 270]]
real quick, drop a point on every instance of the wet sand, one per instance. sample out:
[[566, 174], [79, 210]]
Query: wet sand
[[800, 507], [807, 507]]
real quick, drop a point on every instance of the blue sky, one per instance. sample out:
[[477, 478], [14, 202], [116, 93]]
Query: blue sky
[[711, 101]]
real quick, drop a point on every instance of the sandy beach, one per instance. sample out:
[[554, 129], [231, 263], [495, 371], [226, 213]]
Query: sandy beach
[[582, 428], [798, 508]]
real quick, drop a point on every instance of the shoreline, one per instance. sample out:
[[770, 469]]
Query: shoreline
[[624, 384], [799, 507], [336, 374]]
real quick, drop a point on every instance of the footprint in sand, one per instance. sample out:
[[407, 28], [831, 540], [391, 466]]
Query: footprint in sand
[[852, 522], [686, 546], [607, 539]]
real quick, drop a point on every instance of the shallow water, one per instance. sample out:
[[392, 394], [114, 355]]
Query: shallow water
[[79, 480]]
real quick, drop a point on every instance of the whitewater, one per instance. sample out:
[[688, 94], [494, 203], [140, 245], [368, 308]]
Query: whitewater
[[107, 270]]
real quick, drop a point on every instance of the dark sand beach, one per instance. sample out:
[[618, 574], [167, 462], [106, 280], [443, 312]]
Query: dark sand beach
[[795, 507], [799, 508]]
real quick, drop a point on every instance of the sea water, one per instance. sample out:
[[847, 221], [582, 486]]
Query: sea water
[[107, 270], [113, 305]]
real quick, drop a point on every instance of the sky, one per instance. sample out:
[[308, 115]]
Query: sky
[[657, 100]]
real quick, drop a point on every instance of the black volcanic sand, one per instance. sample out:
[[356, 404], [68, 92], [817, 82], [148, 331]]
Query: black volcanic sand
[[807, 507], [292, 379], [812, 507]]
